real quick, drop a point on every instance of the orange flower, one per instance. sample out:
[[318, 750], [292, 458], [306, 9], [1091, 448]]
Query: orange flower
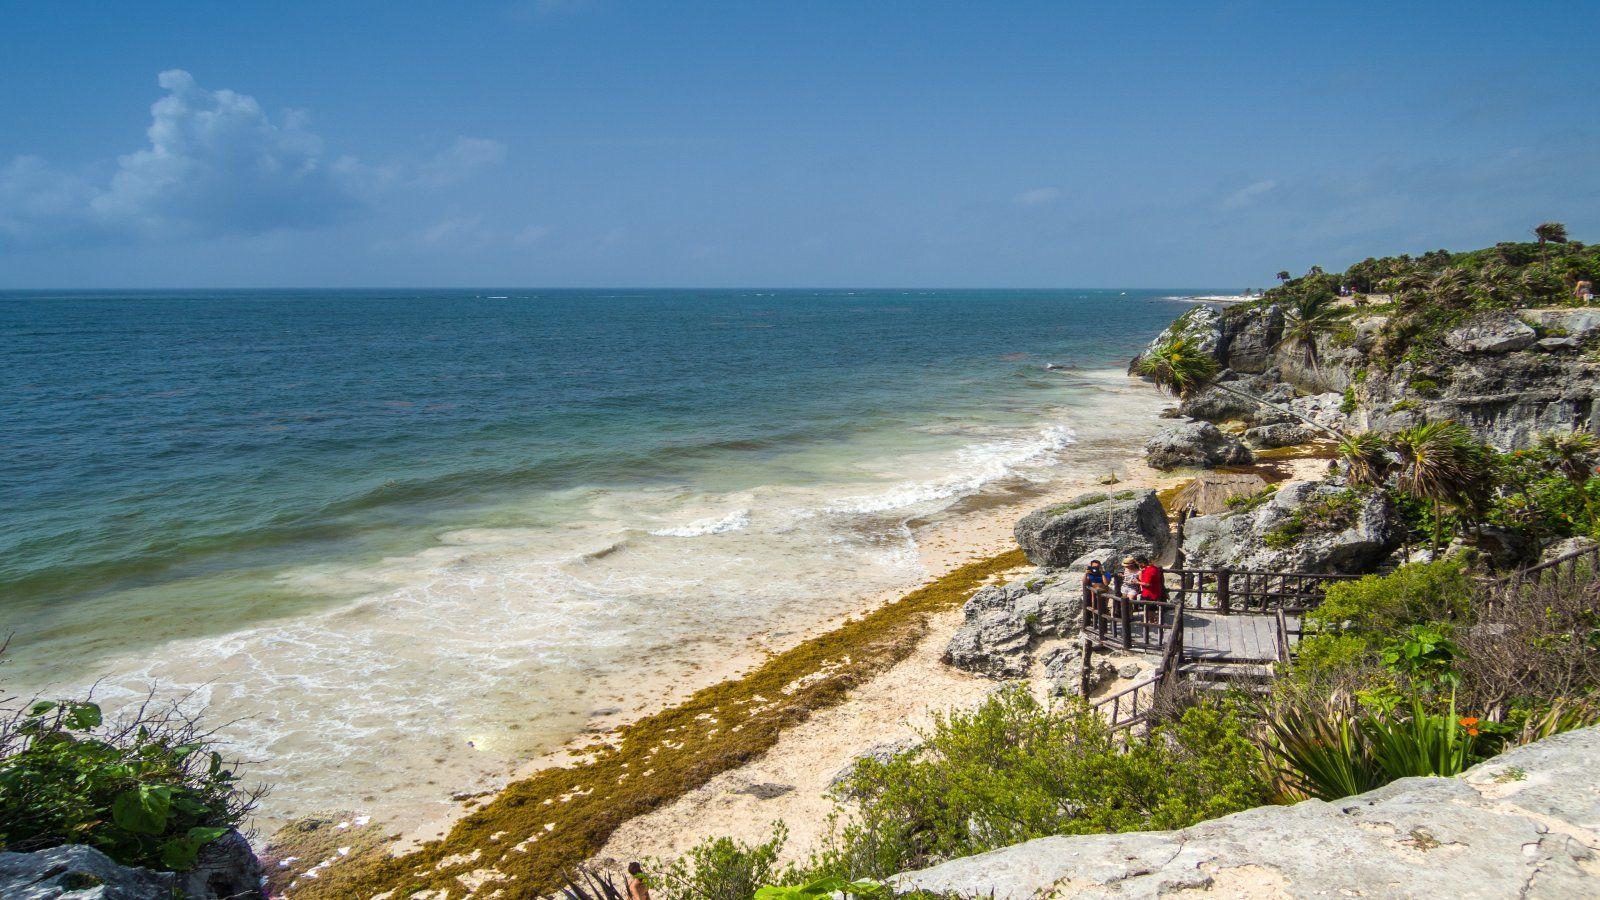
[[1469, 721], [1472, 731]]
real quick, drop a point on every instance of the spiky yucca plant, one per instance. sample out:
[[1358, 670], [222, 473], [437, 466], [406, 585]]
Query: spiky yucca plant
[[1443, 463]]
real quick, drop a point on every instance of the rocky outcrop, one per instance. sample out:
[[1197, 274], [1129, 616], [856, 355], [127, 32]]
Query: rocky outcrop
[[1214, 404], [1202, 324], [1306, 526], [1195, 444], [227, 869], [1564, 547], [1251, 336], [1002, 625], [1507, 399], [1499, 332], [1524, 824], [879, 753], [1130, 522]]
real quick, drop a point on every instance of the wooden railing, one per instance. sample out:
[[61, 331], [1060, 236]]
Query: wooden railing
[[1116, 623], [1242, 591], [1563, 571], [1133, 704]]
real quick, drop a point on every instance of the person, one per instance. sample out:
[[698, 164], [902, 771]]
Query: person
[[1130, 581], [1152, 586], [636, 886], [1096, 584]]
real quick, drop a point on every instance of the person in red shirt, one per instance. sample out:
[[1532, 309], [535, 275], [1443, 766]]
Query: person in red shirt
[[1152, 586]]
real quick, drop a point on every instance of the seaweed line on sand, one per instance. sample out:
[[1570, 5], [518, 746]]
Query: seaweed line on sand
[[537, 829]]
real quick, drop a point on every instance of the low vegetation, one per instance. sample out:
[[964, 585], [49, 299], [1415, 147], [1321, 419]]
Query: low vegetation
[[148, 788]]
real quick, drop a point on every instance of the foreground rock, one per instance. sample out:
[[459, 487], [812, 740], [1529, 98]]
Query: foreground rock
[[1004, 624], [227, 869], [1195, 444], [1305, 526], [1525, 824], [1130, 522]]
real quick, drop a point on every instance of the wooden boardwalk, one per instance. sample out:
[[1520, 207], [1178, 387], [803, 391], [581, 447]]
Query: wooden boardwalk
[[1210, 635]]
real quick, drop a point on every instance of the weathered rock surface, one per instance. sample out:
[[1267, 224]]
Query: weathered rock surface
[[1278, 434], [1002, 624], [1508, 399], [1214, 404], [227, 869], [1525, 824], [1196, 444], [1063, 671], [1499, 332], [1240, 539], [1251, 337], [1130, 522], [1563, 547]]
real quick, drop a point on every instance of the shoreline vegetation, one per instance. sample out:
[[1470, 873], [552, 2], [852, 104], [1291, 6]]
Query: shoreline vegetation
[[569, 812]]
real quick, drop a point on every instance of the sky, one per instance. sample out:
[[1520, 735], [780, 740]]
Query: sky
[[593, 143]]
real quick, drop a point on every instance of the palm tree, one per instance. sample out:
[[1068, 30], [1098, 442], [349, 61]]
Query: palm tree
[[1312, 315], [1442, 463], [1553, 232], [1574, 453], [1182, 368], [1284, 276], [1365, 457]]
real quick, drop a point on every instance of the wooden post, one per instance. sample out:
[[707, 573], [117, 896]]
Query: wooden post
[[1127, 624], [1223, 599], [1083, 671]]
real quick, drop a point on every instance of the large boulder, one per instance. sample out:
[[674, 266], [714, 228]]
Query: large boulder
[[1197, 444], [1002, 625], [1306, 526], [1521, 824], [1574, 323], [1498, 332], [1278, 434], [227, 869], [1214, 404], [1130, 522], [1251, 336]]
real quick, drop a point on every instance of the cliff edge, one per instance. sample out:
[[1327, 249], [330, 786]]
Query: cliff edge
[[1524, 824]]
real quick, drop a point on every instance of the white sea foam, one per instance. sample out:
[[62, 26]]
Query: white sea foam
[[977, 467], [734, 521]]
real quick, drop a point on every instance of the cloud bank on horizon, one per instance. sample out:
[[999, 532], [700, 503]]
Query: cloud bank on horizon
[[217, 164]]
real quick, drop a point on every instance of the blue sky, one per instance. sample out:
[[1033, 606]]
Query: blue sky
[[608, 143]]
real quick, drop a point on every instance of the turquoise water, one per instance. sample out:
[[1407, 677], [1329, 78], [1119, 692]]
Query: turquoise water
[[281, 495]]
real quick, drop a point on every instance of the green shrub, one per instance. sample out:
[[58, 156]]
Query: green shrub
[[1324, 657], [719, 869], [148, 790], [1247, 502], [1324, 515], [1012, 770], [1382, 604], [1348, 404], [1425, 655]]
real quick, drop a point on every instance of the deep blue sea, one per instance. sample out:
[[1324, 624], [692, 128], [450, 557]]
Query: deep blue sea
[[475, 503]]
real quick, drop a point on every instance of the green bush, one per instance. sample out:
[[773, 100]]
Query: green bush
[[1323, 515], [1012, 770], [147, 791], [719, 869], [1382, 604]]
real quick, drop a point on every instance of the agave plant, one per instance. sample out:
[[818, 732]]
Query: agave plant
[[1179, 366]]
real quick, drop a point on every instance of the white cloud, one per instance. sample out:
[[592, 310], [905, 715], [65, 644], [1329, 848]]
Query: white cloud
[[1037, 196], [1248, 194], [216, 164], [465, 157]]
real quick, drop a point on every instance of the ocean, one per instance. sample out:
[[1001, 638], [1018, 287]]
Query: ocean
[[397, 538]]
